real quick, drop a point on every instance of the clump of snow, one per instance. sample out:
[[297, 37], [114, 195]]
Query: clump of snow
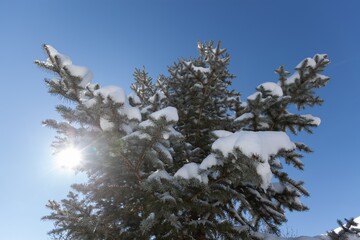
[[170, 131], [210, 161], [195, 68], [105, 124], [245, 116], [292, 78], [349, 236], [146, 123], [64, 62], [160, 174], [134, 98], [131, 112], [267, 236], [191, 170], [81, 72], [138, 134], [253, 96], [166, 197], [314, 120], [170, 114], [322, 77], [356, 220], [221, 133], [201, 69], [52, 52], [273, 88], [322, 57], [116, 94], [307, 62], [165, 151], [264, 171], [261, 144], [88, 102], [243, 104], [158, 93]]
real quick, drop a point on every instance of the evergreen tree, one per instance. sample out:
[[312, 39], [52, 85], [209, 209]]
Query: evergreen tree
[[347, 231], [184, 158]]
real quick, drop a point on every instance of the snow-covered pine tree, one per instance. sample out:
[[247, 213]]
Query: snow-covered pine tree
[[347, 231], [183, 158]]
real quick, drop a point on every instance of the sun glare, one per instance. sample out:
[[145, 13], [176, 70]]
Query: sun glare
[[69, 158]]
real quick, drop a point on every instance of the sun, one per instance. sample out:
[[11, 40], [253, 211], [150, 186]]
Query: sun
[[69, 158]]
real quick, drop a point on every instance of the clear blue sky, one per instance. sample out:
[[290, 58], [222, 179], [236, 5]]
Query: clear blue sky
[[114, 37]]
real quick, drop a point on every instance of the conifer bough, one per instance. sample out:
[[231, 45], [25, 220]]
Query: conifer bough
[[182, 157]]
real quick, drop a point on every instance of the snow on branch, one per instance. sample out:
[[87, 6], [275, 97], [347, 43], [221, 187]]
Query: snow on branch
[[260, 144]]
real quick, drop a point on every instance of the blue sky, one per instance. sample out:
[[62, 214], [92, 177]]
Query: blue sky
[[114, 37]]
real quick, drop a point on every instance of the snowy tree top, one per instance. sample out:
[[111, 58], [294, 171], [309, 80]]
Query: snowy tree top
[[169, 113]]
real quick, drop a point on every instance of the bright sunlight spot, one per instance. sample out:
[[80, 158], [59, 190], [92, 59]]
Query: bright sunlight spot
[[69, 158]]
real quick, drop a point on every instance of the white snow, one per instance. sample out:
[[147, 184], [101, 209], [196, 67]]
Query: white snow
[[321, 77], [357, 220], [52, 51], [322, 57], [170, 114], [273, 237], [158, 93], [201, 69], [126, 128], [117, 94], [264, 171], [138, 134], [130, 112], [243, 104], [55, 80], [166, 197], [164, 151], [191, 170], [314, 120], [81, 72], [160, 174], [349, 236], [210, 161], [65, 62], [195, 68], [253, 96], [171, 132], [245, 116], [105, 124], [308, 62], [146, 123], [273, 88], [88, 102], [221, 133], [135, 98], [261, 144], [292, 78]]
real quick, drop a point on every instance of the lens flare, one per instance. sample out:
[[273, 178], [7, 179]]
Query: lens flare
[[69, 158]]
